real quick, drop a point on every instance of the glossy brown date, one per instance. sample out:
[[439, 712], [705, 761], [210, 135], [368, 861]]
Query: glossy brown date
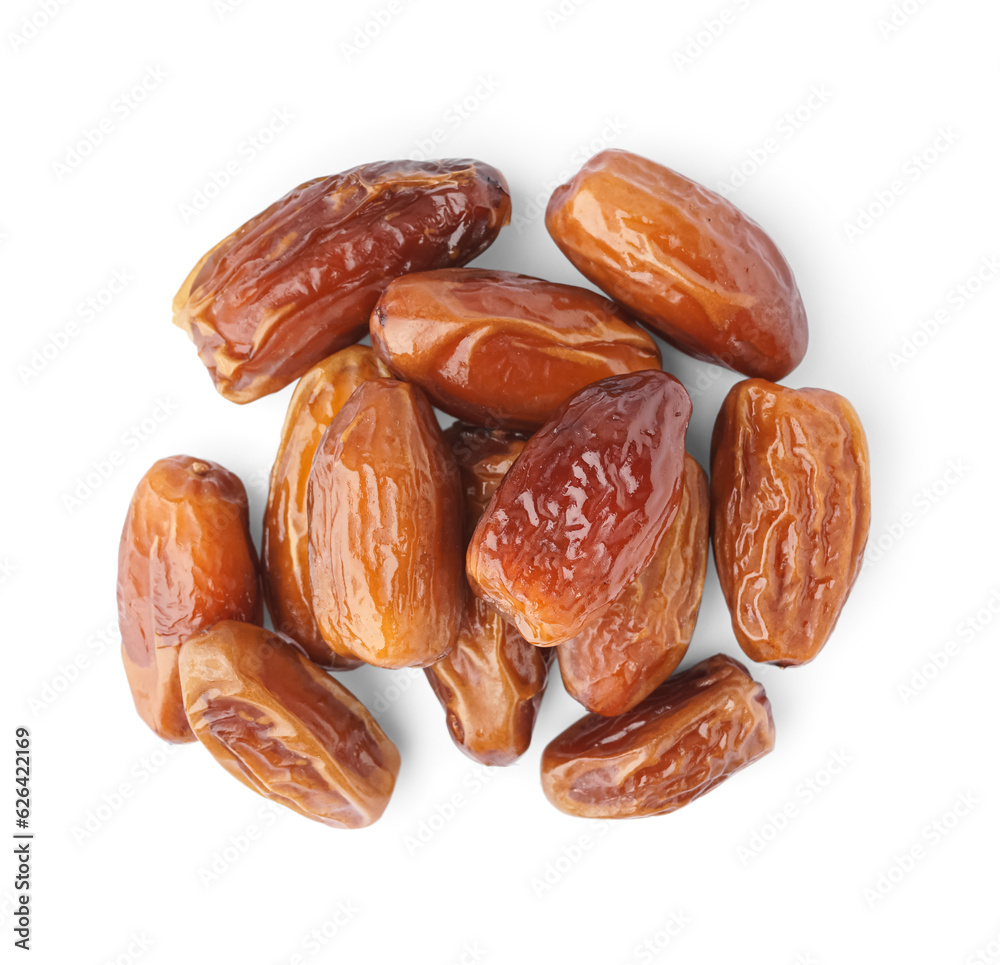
[[492, 683], [580, 514], [300, 280], [185, 560], [284, 728], [791, 506], [694, 731], [638, 641], [500, 349], [321, 393], [385, 530], [684, 260]]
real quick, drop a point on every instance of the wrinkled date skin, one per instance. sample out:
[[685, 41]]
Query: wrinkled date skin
[[284, 728], [492, 683], [687, 262], [321, 393], [636, 643], [694, 731], [185, 560], [581, 513], [791, 506], [385, 530], [300, 280], [473, 339]]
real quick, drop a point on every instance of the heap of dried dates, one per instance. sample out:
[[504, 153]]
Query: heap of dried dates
[[559, 515]]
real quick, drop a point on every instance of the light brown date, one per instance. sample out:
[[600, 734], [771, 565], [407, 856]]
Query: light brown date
[[684, 260], [474, 339], [300, 280], [694, 731], [791, 506], [492, 683], [185, 560], [385, 530], [321, 393], [284, 728], [580, 514], [637, 642]]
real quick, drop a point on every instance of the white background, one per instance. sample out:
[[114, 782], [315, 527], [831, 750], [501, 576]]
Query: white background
[[502, 876]]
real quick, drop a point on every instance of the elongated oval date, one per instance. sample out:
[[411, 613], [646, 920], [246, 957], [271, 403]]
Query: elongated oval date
[[636, 643], [474, 338], [492, 683], [791, 506], [300, 280], [284, 728], [581, 513], [321, 393], [684, 260], [694, 731], [385, 530], [185, 560]]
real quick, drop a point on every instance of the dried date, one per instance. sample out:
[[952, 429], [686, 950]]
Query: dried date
[[320, 394], [284, 728], [300, 280], [684, 260], [473, 339], [790, 515], [694, 731], [385, 531], [582, 511], [185, 561], [636, 643]]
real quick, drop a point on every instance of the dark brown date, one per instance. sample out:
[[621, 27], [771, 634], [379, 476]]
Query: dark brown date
[[638, 641], [284, 728], [473, 339], [300, 280], [697, 729], [791, 506], [385, 530], [491, 684], [684, 260], [581, 513], [321, 393], [185, 561]]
